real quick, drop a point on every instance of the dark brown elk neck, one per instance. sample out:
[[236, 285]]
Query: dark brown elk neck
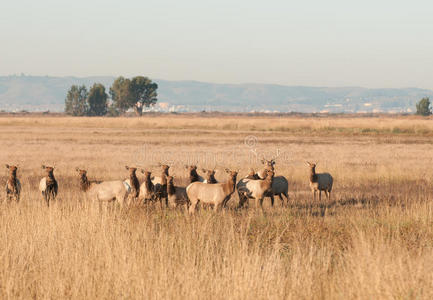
[[313, 175], [171, 190], [12, 177], [84, 183], [50, 179], [193, 176], [135, 185], [148, 183]]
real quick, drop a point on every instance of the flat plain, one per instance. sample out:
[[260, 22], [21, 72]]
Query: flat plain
[[372, 240]]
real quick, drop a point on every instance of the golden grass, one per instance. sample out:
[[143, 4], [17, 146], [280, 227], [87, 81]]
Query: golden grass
[[372, 240]]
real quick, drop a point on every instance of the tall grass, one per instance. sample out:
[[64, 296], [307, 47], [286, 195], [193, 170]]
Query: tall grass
[[372, 240]]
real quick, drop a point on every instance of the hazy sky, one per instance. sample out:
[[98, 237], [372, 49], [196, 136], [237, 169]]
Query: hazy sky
[[322, 43]]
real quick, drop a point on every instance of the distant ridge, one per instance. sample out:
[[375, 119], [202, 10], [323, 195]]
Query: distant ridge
[[41, 93]]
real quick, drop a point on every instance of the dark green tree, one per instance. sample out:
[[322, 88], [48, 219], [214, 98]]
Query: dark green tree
[[423, 107], [137, 92], [120, 95], [143, 93], [97, 100], [76, 101]]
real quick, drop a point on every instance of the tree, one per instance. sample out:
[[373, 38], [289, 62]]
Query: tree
[[120, 95], [423, 107], [137, 92], [143, 92], [97, 100], [75, 102]]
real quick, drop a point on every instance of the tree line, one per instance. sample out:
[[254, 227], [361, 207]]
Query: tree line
[[137, 93]]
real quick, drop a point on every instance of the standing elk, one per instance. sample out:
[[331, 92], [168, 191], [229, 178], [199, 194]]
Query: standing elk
[[48, 185], [133, 183], [320, 182], [176, 195], [160, 184], [147, 189], [104, 191], [217, 194], [255, 188], [280, 185], [13, 185]]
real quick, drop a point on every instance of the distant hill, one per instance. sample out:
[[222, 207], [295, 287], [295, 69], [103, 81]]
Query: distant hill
[[40, 93]]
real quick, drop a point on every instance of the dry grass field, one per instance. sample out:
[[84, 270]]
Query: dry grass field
[[372, 240]]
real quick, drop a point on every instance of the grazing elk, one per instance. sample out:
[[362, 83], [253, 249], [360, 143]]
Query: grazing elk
[[13, 185], [280, 185], [48, 185], [210, 176], [255, 188], [193, 175], [104, 191], [320, 182], [176, 195], [217, 194], [133, 183], [147, 189], [160, 184]]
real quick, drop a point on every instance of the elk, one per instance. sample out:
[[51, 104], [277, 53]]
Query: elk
[[193, 175], [176, 195], [48, 185], [320, 182], [210, 176], [160, 184], [217, 194], [133, 183], [147, 189], [280, 185], [255, 188], [104, 191], [13, 185]]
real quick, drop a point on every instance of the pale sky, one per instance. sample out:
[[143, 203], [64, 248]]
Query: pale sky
[[314, 43]]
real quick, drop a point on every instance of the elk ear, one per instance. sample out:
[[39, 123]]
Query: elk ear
[[227, 170], [7, 166], [152, 178], [43, 167], [272, 162]]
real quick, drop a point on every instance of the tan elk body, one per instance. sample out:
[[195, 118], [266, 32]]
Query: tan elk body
[[217, 194], [147, 189], [320, 182], [280, 185], [105, 191], [48, 185], [255, 189], [13, 185], [176, 195]]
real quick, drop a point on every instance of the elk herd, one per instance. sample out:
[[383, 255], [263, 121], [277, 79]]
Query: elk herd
[[205, 189]]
